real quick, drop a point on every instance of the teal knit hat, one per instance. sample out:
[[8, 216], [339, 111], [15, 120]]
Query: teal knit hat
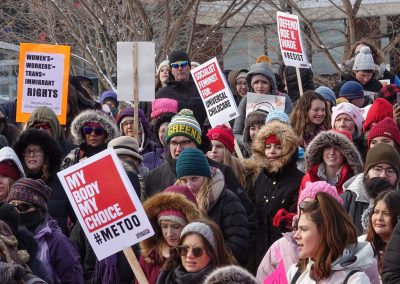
[[192, 162], [184, 124]]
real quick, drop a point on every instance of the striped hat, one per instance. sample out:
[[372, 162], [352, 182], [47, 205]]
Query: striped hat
[[184, 124]]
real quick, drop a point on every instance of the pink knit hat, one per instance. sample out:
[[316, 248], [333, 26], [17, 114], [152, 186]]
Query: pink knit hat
[[176, 216], [351, 110], [164, 105], [312, 188]]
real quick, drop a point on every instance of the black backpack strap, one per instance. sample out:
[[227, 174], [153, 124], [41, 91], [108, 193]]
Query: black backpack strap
[[350, 274], [296, 276]]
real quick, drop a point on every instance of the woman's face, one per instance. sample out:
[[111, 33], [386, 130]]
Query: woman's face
[[332, 156], [94, 139], [128, 128], [273, 151], [164, 74], [382, 221], [171, 232], [253, 130], [190, 262], [307, 237], [344, 122], [217, 151], [5, 184], [162, 131], [316, 114], [261, 84], [194, 183], [33, 158], [381, 139]]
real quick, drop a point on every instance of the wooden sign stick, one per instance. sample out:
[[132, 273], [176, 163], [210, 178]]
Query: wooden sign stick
[[300, 83], [136, 268]]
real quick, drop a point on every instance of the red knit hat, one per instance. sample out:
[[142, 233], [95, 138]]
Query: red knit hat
[[379, 110], [272, 139], [343, 132], [387, 128], [224, 135], [9, 169]]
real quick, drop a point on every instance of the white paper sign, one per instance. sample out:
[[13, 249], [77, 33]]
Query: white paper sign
[[145, 67], [215, 93], [264, 103], [105, 203], [293, 52]]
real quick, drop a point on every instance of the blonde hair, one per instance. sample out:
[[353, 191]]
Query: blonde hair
[[203, 194], [236, 165]]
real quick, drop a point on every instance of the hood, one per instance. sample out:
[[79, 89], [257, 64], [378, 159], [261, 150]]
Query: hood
[[253, 118], [7, 153], [314, 151], [289, 143], [165, 201], [346, 69], [358, 256], [264, 69], [44, 114], [356, 185], [232, 80], [93, 116]]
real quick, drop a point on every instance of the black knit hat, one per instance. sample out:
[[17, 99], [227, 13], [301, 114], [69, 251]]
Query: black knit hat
[[178, 55]]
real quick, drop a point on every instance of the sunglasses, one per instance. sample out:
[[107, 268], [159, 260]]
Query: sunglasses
[[184, 250], [178, 64], [89, 130], [22, 207]]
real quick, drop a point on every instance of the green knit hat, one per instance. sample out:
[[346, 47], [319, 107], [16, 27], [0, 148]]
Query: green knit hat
[[382, 153], [192, 162], [184, 124]]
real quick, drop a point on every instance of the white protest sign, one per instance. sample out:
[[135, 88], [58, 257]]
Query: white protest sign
[[43, 79], [105, 203], [145, 68], [215, 93], [293, 52], [264, 103]]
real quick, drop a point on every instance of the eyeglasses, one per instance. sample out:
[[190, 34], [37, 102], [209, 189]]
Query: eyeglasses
[[43, 126], [184, 250], [128, 122], [89, 130], [22, 207], [178, 64], [35, 152], [183, 144], [390, 172]]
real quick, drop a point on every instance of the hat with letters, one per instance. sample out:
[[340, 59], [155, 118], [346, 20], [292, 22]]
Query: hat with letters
[[184, 124]]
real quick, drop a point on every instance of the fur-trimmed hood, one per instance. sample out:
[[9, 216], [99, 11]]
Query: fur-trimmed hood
[[7, 153], [346, 69], [289, 143], [314, 152], [93, 116], [165, 201]]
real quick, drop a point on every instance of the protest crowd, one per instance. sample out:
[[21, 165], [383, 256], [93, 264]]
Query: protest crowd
[[311, 190]]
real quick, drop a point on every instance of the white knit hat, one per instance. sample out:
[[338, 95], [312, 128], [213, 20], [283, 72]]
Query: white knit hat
[[364, 60]]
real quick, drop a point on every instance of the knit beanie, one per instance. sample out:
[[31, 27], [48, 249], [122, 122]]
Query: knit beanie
[[264, 58], [277, 115], [176, 216], [389, 93], [382, 153], [343, 132], [351, 90], [9, 169], [312, 188], [364, 60], [327, 94], [379, 110], [108, 95], [223, 134], [202, 229], [178, 55], [126, 145], [164, 105], [387, 128], [184, 124], [192, 162], [184, 190], [351, 110], [231, 274], [163, 63], [33, 191]]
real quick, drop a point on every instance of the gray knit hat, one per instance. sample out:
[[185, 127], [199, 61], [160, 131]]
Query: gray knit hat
[[231, 274], [364, 60], [126, 145], [202, 229]]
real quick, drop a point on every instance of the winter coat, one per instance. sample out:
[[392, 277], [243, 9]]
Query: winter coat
[[154, 159], [314, 158], [272, 185], [9, 109], [180, 276], [58, 254], [187, 96], [391, 264], [355, 200], [341, 267], [292, 84], [151, 259], [44, 114]]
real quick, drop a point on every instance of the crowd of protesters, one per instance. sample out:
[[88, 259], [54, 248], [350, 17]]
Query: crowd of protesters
[[315, 188]]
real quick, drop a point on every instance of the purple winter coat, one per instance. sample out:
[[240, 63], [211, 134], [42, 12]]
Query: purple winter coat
[[58, 254], [154, 159]]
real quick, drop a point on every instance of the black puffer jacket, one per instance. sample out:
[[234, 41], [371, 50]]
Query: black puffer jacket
[[292, 85], [391, 264]]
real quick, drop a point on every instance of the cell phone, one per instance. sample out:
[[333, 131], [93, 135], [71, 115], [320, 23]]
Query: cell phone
[[398, 98]]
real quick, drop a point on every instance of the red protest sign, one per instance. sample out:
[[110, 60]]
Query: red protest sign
[[208, 80]]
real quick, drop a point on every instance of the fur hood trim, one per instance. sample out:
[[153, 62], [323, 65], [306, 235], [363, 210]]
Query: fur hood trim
[[8, 153], [100, 117], [346, 69], [165, 201], [289, 143], [314, 152]]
